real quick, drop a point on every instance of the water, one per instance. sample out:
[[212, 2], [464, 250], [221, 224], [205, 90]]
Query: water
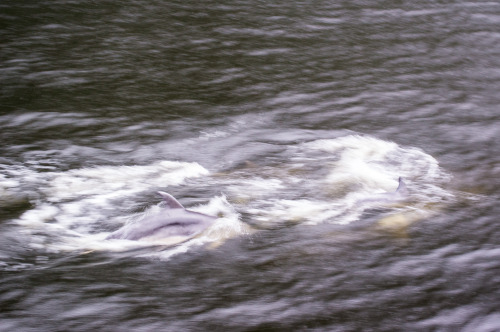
[[287, 120]]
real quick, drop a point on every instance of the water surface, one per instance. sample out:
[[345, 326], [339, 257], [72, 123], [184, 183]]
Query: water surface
[[287, 120]]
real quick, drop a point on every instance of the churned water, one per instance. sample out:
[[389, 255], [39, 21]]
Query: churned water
[[291, 121]]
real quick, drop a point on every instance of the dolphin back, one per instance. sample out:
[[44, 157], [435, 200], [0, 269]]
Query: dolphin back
[[173, 220], [399, 195]]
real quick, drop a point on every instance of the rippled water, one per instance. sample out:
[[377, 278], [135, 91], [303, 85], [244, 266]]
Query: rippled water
[[291, 122]]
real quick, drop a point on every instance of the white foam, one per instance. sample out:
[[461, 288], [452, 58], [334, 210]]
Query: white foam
[[325, 180], [74, 206], [315, 182], [113, 181], [360, 159]]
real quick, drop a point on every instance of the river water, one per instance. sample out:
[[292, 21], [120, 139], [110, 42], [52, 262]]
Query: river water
[[289, 121]]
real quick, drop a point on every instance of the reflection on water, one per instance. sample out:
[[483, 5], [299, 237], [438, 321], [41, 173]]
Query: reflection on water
[[292, 122]]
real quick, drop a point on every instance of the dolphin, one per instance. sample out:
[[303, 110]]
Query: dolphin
[[173, 221], [401, 194]]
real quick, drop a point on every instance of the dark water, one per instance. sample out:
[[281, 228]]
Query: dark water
[[284, 118]]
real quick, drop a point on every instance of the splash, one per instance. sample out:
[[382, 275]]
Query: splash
[[332, 180], [317, 181], [77, 209]]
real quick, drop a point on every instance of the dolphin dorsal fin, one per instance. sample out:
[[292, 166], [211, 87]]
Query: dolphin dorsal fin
[[402, 187], [170, 200]]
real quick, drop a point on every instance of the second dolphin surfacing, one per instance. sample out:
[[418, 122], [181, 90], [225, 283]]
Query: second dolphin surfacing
[[173, 221], [400, 195]]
